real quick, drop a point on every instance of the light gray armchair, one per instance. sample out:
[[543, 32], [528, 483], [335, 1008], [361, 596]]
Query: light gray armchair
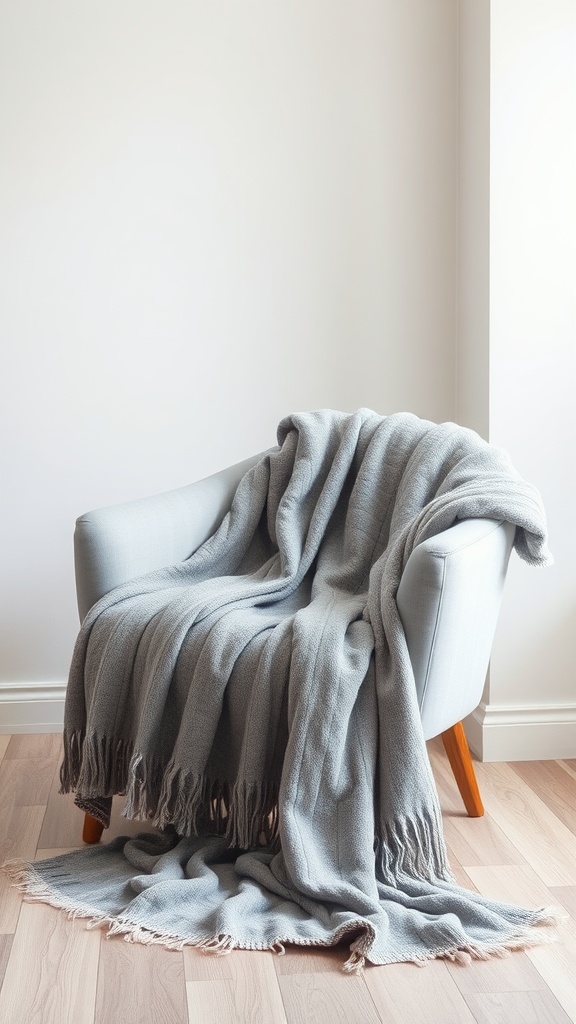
[[449, 596]]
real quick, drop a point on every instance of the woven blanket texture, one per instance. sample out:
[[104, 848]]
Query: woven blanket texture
[[257, 703]]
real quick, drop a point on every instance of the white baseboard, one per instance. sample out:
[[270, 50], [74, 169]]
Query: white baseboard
[[533, 732], [31, 707]]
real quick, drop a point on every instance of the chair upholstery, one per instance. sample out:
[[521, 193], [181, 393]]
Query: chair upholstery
[[448, 599]]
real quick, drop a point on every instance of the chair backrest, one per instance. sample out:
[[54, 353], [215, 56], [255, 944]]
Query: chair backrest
[[120, 542]]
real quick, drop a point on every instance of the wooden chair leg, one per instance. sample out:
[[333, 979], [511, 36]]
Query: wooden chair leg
[[458, 751], [92, 830]]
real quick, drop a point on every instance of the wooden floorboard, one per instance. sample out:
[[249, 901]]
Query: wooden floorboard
[[555, 962], [54, 970], [324, 998], [138, 983]]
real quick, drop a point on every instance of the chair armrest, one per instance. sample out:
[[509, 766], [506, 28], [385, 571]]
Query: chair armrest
[[116, 544], [449, 599]]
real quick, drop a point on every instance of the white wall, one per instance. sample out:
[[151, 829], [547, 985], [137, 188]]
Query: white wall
[[473, 194], [533, 328], [211, 214], [517, 339]]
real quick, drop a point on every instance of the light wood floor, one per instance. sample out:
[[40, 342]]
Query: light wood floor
[[56, 971]]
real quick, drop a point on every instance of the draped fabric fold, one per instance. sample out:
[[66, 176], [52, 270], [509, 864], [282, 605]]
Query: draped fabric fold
[[257, 703]]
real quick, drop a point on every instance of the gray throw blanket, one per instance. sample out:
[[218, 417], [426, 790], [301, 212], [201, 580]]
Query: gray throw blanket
[[257, 702]]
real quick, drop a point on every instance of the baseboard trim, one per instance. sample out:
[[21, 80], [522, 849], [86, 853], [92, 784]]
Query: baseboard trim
[[31, 707], [531, 732], [534, 732]]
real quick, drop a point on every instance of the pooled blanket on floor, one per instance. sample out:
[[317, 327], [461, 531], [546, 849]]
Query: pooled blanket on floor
[[257, 702]]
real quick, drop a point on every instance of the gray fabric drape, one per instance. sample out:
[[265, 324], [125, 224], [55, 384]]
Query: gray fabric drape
[[257, 702]]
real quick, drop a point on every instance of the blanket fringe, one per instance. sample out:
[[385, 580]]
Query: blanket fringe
[[96, 768], [245, 813], [412, 847], [524, 938], [34, 888], [355, 964]]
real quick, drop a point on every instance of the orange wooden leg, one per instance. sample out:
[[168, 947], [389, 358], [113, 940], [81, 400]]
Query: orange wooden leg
[[456, 746], [92, 830]]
